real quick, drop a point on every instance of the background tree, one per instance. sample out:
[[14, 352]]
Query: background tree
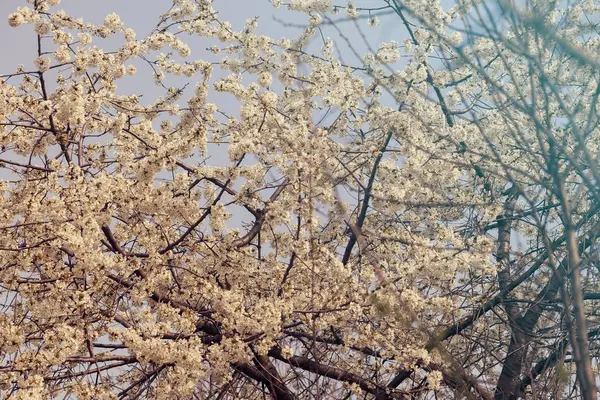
[[418, 223]]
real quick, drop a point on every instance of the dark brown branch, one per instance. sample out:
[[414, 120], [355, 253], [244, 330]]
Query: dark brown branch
[[338, 374]]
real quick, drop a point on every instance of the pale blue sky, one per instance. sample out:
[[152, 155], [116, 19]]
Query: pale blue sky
[[141, 15], [19, 44]]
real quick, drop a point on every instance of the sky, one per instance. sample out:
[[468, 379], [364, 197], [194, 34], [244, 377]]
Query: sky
[[141, 15], [19, 44]]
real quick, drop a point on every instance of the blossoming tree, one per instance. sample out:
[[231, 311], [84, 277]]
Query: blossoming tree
[[387, 229]]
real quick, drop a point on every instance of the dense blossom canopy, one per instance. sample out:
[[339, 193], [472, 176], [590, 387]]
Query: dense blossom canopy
[[418, 223]]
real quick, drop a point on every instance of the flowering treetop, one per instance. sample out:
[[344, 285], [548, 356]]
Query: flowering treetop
[[361, 221]]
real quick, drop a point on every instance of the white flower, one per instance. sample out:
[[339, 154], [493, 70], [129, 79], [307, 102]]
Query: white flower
[[62, 54], [183, 49], [434, 379], [61, 37], [351, 11], [42, 63], [113, 21], [388, 52], [15, 19], [311, 5], [42, 27], [287, 352], [315, 20], [269, 99], [84, 38], [129, 34], [264, 79], [454, 39]]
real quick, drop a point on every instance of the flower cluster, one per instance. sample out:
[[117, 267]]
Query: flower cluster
[[265, 214]]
